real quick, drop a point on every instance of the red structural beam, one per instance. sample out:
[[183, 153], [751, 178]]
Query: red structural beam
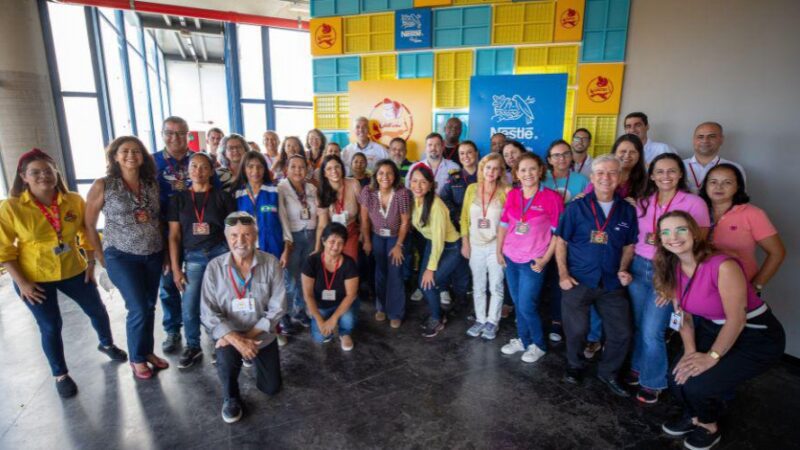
[[200, 13]]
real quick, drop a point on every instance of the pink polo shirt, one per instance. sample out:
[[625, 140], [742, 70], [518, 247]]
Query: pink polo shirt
[[737, 234], [683, 201], [542, 220]]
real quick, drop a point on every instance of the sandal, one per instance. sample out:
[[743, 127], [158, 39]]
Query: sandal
[[144, 374], [157, 363]]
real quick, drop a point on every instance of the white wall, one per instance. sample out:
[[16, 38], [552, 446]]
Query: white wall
[[198, 94], [736, 62]]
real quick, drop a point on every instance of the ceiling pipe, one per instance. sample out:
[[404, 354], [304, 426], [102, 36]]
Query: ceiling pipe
[[203, 49], [167, 20], [177, 36], [197, 23]]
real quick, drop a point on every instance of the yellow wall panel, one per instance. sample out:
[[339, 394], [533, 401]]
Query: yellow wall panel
[[326, 36], [371, 33], [379, 67], [422, 3], [558, 59], [603, 129], [521, 23], [452, 71], [600, 88], [569, 21], [332, 112]]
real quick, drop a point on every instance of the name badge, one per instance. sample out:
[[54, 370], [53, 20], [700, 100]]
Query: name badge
[[305, 214], [140, 215], [385, 232], [243, 305], [484, 223], [60, 249], [599, 237], [676, 320], [521, 228], [650, 238], [329, 295], [201, 229], [340, 218]]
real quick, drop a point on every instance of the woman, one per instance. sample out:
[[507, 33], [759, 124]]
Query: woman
[[729, 334], [315, 145], [385, 222], [442, 264], [511, 153], [453, 192], [333, 149], [41, 233], [299, 200], [196, 223], [271, 143], [740, 227], [633, 175], [358, 169], [290, 146], [330, 288], [132, 244], [480, 217], [234, 147], [257, 195], [338, 202], [525, 244], [666, 191]]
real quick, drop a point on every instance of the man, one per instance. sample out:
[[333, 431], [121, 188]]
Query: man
[[372, 150], [452, 135], [271, 143], [581, 160], [213, 138], [498, 141], [596, 236], [637, 123], [397, 153], [708, 138], [242, 300], [441, 167]]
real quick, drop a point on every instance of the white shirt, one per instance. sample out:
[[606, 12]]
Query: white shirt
[[653, 149], [373, 151], [440, 175], [294, 208], [696, 172], [586, 168]]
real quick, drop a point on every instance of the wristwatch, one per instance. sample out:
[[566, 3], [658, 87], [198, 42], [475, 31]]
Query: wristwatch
[[714, 355]]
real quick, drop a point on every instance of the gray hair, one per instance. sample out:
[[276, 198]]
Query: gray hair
[[177, 120], [361, 119], [608, 157], [224, 144]]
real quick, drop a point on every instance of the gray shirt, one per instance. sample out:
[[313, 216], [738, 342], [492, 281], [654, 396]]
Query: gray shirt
[[267, 290]]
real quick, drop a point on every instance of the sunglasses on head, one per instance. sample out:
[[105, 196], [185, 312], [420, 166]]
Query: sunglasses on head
[[243, 220]]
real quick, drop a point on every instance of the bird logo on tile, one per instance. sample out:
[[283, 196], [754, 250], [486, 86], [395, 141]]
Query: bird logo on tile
[[390, 119], [512, 108], [600, 89], [570, 18], [325, 35]]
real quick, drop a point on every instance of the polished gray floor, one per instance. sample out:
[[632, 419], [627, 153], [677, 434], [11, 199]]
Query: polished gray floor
[[394, 390]]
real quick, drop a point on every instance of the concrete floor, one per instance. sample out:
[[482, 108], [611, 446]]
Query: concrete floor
[[394, 390]]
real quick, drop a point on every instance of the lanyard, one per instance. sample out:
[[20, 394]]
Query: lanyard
[[137, 195], [597, 220], [465, 177], [54, 218], [688, 287], [251, 194], [691, 169], [177, 172], [199, 215], [435, 172], [655, 208], [555, 183], [339, 205], [301, 194], [528, 205], [580, 169], [329, 283], [485, 206], [385, 212], [237, 280]]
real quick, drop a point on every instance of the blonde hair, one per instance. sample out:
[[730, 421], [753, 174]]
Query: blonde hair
[[501, 179]]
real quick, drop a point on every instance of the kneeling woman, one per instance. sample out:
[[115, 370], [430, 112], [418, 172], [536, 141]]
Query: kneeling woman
[[330, 287], [729, 334]]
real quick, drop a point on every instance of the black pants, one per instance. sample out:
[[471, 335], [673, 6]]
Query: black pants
[[754, 351], [267, 365], [614, 309]]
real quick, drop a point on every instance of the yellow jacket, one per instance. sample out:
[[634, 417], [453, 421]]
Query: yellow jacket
[[438, 230], [26, 236]]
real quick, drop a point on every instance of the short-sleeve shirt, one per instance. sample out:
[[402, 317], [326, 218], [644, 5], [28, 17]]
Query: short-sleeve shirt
[[541, 218], [453, 193], [738, 231], [374, 152], [400, 204], [349, 203], [182, 210], [568, 187], [653, 149], [314, 268], [683, 201], [592, 263], [584, 168]]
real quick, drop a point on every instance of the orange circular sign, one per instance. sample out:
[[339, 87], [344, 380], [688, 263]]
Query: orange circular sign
[[390, 119], [600, 89], [570, 18], [325, 36]]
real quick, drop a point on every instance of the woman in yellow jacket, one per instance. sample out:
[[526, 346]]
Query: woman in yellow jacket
[[41, 234]]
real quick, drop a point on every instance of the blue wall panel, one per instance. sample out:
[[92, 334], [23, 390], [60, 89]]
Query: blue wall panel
[[605, 30], [385, 5], [340, 137], [320, 8], [492, 61], [459, 27], [415, 65], [333, 74]]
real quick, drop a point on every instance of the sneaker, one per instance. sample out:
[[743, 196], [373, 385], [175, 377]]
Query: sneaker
[[532, 354], [632, 378], [556, 333], [647, 396], [189, 357], [679, 427], [702, 439], [231, 410], [489, 331], [113, 352], [66, 387], [613, 386], [282, 341], [445, 299], [432, 327], [302, 320], [476, 329], [380, 316], [416, 296], [395, 323], [171, 343], [591, 350], [214, 357], [347, 342], [247, 362], [513, 346]]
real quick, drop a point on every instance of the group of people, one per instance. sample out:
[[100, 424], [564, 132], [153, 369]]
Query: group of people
[[254, 246]]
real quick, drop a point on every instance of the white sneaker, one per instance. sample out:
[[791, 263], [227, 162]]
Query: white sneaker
[[513, 346], [444, 297], [532, 354], [416, 296]]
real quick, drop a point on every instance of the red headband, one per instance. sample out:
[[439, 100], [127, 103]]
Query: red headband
[[33, 155], [423, 166]]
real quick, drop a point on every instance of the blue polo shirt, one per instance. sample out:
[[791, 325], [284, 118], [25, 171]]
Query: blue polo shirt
[[453, 193], [265, 210], [591, 263]]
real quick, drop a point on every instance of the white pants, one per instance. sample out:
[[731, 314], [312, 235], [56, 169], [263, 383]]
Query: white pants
[[483, 260]]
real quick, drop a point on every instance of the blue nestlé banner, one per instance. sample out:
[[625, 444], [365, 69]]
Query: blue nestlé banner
[[526, 108], [412, 29]]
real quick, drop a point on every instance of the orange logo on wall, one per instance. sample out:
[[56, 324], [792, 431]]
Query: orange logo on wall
[[600, 89], [570, 18], [325, 36], [390, 119]]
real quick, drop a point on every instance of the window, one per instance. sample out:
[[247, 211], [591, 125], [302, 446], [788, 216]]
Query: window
[[291, 61], [85, 137], [144, 128], [293, 122], [254, 120], [251, 61], [71, 45], [115, 78]]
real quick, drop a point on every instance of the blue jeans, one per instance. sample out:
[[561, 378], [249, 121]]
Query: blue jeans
[[650, 321], [452, 271], [195, 266], [347, 322], [171, 304], [525, 285], [390, 295], [595, 326], [48, 317], [137, 279], [302, 247]]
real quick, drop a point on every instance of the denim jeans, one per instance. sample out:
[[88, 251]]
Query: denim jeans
[[347, 322], [650, 322], [452, 271], [195, 266], [48, 317], [171, 304], [484, 267], [525, 287], [595, 326], [303, 245], [390, 295], [137, 278]]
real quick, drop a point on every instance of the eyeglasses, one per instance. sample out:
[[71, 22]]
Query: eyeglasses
[[171, 134], [564, 155], [580, 139], [236, 220], [36, 173]]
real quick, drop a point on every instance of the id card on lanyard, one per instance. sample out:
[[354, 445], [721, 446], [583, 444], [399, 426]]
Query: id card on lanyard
[[53, 217], [522, 226], [328, 294], [242, 303], [200, 228], [483, 222], [599, 235], [676, 318]]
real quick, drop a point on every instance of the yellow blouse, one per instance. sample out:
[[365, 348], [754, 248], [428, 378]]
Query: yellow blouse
[[26, 236], [438, 230]]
